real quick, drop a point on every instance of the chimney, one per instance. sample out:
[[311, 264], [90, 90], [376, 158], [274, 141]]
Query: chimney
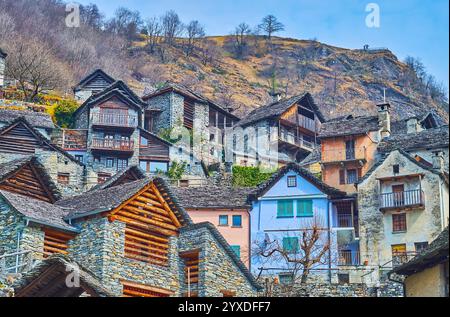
[[438, 161], [276, 96], [384, 119], [413, 125]]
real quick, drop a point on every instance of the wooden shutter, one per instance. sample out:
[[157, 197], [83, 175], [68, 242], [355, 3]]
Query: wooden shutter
[[342, 177], [188, 114], [285, 208], [305, 208], [131, 289], [191, 267], [359, 173]]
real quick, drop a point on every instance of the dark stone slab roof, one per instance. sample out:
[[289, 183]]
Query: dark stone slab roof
[[59, 263], [427, 139], [9, 168], [97, 72], [314, 157], [226, 247], [189, 93], [213, 197], [133, 171], [35, 119], [38, 211], [348, 125], [437, 252], [263, 188], [99, 201], [276, 109]]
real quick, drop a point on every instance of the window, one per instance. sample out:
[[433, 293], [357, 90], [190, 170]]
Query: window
[[285, 209], [343, 278], [305, 208], [79, 158], [223, 220], [103, 177], [109, 162], [352, 176], [237, 221], [350, 150], [399, 223], [158, 167], [290, 244], [420, 246], [122, 164], [399, 255], [237, 250], [396, 169], [64, 178], [144, 141], [292, 181], [286, 278]]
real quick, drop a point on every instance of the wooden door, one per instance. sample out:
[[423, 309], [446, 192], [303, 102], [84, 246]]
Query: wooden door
[[398, 192]]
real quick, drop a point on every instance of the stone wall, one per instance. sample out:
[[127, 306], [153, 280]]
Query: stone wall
[[2, 71], [163, 120]]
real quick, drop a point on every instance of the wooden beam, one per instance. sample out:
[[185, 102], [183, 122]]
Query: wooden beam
[[145, 226], [147, 220], [165, 205], [146, 235]]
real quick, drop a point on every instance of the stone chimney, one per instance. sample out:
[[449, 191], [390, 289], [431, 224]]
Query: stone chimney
[[384, 119], [413, 125], [438, 161]]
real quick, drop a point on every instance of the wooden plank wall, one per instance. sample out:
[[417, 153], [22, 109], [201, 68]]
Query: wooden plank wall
[[18, 140]]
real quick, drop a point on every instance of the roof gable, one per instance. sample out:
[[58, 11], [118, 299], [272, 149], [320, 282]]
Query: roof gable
[[98, 79], [35, 119], [131, 174]]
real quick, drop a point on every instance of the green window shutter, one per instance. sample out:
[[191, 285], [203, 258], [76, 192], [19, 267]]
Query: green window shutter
[[285, 208], [305, 208], [237, 250], [290, 244]]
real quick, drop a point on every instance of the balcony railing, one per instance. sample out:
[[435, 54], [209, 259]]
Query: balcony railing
[[70, 140], [307, 123], [338, 155], [348, 258], [292, 139], [112, 145], [400, 258], [116, 120], [344, 221], [402, 199]]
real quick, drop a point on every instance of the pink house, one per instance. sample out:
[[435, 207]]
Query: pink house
[[227, 208]]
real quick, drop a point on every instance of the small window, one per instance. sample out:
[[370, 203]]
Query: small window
[[184, 183], [292, 181], [285, 209], [158, 167], [109, 162], [237, 250], [237, 221], [352, 176], [103, 177], [290, 245], [122, 164], [396, 169], [343, 278], [305, 208], [64, 178], [223, 220], [144, 142], [286, 278], [399, 223], [79, 158], [420, 246]]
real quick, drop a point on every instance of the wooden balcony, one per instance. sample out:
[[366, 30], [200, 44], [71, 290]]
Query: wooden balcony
[[344, 155], [307, 123], [71, 140], [348, 258], [112, 145], [114, 120], [402, 200], [293, 140]]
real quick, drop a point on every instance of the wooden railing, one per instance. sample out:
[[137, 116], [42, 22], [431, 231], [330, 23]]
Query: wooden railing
[[348, 258], [344, 221], [307, 123], [402, 199], [115, 145], [71, 139], [292, 139], [337, 155], [116, 120]]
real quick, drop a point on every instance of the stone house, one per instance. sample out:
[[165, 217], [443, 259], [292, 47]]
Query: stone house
[[278, 133], [135, 239], [403, 206], [427, 275], [226, 207], [2, 68], [175, 107], [283, 209]]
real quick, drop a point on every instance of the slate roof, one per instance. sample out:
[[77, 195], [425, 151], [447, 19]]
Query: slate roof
[[61, 262], [133, 170], [263, 188], [314, 157], [98, 201], [348, 125], [38, 211], [9, 168], [276, 109], [35, 119], [226, 247], [213, 197], [93, 75], [437, 252], [427, 139], [187, 92]]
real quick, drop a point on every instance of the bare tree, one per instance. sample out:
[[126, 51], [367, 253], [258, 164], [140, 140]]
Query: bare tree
[[209, 51], [270, 25], [91, 16], [7, 26], [240, 39], [34, 68], [172, 27], [310, 248], [194, 31], [125, 23], [154, 32]]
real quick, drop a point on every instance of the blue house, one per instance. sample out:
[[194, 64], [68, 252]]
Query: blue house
[[284, 209]]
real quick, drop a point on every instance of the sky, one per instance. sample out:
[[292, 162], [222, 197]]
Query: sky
[[407, 27]]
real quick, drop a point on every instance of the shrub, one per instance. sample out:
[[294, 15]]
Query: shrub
[[249, 176], [63, 112]]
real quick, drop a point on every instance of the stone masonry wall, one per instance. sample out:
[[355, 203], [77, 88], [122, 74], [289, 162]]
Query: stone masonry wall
[[2, 71]]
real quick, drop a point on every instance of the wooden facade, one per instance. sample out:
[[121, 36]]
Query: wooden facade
[[19, 139], [56, 242], [191, 266], [131, 289], [152, 148]]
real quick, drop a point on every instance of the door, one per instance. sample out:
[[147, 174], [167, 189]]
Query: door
[[398, 195], [350, 150]]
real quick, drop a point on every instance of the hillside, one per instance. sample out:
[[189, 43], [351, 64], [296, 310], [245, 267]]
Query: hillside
[[342, 81]]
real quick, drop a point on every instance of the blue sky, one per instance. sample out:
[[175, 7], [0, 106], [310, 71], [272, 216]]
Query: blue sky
[[408, 27]]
